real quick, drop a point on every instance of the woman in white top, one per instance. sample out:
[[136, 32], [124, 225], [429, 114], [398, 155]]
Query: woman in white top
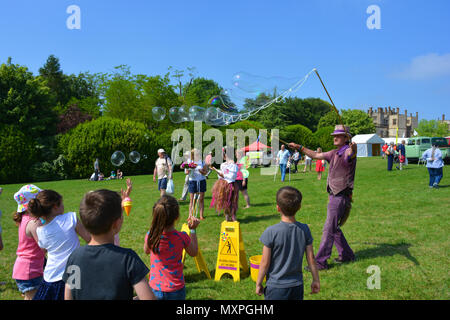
[[197, 182], [57, 235], [225, 192]]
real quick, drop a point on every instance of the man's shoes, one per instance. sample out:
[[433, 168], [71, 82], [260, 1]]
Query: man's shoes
[[340, 261], [435, 185]]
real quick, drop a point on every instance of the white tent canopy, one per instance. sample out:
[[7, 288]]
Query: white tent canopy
[[368, 144]]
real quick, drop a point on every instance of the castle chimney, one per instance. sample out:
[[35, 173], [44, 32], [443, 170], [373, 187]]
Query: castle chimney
[[398, 111], [443, 117], [417, 115], [406, 113]]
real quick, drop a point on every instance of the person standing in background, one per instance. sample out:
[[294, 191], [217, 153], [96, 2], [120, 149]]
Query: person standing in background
[[401, 155], [390, 151], [433, 157], [308, 163], [187, 157], [163, 169], [282, 159], [296, 158], [96, 169]]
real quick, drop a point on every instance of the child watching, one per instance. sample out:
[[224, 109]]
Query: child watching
[[165, 246], [102, 270], [29, 265], [57, 235], [284, 246]]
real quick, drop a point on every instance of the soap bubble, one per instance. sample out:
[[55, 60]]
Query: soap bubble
[[215, 117], [184, 114], [196, 113], [178, 115], [174, 115], [117, 158], [134, 156], [158, 113]]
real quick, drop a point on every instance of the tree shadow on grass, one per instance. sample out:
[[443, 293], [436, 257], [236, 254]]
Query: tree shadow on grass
[[387, 250]]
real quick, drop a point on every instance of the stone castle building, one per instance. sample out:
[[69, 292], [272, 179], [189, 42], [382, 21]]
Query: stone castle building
[[387, 120], [445, 121]]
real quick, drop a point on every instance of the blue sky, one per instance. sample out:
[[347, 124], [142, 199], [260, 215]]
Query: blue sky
[[404, 64]]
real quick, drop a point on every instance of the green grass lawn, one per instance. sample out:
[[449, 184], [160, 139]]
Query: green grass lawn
[[396, 223]]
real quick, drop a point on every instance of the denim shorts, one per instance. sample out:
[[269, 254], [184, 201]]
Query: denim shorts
[[28, 285], [197, 186], [175, 295], [162, 183]]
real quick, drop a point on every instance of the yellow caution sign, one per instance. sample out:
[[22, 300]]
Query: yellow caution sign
[[199, 260], [231, 253]]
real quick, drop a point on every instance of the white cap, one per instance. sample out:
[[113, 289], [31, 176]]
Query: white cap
[[161, 151]]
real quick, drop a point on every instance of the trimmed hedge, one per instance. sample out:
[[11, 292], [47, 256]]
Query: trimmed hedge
[[100, 138]]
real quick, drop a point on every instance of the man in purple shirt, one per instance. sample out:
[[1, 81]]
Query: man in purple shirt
[[341, 175]]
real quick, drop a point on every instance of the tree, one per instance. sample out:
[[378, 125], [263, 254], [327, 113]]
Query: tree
[[358, 121], [179, 76], [199, 91], [329, 119], [17, 155], [290, 111], [324, 139], [122, 94], [25, 101], [67, 90], [53, 76], [71, 118], [299, 134], [432, 128]]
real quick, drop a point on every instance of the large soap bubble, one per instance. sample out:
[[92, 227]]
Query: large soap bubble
[[196, 113], [134, 156], [158, 113], [117, 158], [247, 95], [174, 115], [184, 114]]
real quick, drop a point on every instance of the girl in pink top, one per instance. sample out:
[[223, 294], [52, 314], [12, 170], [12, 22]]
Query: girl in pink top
[[29, 265], [165, 245]]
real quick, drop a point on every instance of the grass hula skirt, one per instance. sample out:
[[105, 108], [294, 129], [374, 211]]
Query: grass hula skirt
[[225, 197]]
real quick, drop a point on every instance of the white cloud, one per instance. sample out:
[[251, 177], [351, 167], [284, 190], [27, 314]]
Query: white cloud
[[426, 67]]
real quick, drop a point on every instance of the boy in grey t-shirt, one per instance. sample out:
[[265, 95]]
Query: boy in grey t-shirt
[[284, 246]]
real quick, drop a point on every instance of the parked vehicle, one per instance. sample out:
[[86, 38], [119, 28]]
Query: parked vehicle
[[417, 145]]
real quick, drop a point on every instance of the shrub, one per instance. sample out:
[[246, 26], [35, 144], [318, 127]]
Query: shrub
[[298, 134], [100, 138], [324, 139]]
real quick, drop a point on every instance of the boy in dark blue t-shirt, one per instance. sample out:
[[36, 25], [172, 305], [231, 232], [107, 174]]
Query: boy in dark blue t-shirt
[[284, 246]]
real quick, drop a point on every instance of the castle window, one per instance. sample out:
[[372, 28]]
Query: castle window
[[394, 122]]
